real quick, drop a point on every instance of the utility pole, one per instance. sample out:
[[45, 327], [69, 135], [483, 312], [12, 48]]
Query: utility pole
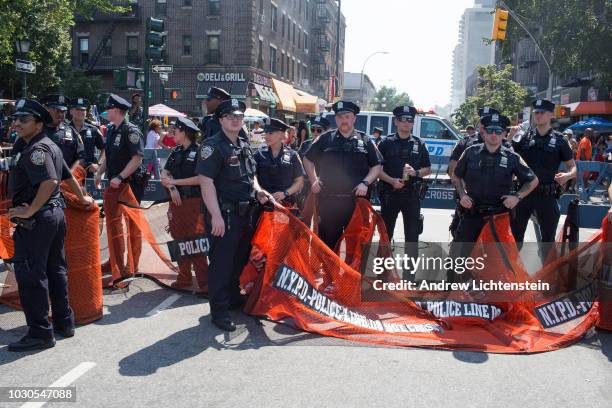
[[337, 76]]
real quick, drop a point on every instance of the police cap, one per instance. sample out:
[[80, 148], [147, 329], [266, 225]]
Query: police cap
[[486, 111], [79, 103], [543, 105], [186, 124], [496, 121], [275, 125], [55, 101], [217, 93], [115, 101], [231, 106], [320, 121], [345, 106], [27, 107], [405, 112], [377, 129]]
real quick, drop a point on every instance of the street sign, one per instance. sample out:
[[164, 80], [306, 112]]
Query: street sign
[[163, 76], [25, 66], [166, 69]]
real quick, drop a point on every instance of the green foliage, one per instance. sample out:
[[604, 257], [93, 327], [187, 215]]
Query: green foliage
[[495, 89], [75, 83], [387, 98]]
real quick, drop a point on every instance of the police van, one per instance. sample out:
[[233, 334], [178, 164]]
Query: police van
[[439, 134]]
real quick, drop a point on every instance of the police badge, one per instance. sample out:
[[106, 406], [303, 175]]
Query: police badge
[[134, 138], [37, 157], [206, 152]]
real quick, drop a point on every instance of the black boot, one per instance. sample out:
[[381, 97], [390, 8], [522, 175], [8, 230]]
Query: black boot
[[224, 323], [65, 332], [28, 343]]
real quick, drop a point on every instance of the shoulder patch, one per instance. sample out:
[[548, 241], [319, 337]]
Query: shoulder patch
[[134, 138], [206, 152], [37, 157]]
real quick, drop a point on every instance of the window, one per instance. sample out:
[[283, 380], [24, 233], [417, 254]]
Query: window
[[186, 45], [305, 41], [160, 7], [83, 50], [293, 70], [381, 122], [107, 48], [299, 38], [274, 17], [434, 129], [361, 122], [214, 8], [187, 3], [261, 6], [294, 33], [283, 25], [260, 54], [298, 73], [214, 53], [282, 71], [132, 49], [272, 59]]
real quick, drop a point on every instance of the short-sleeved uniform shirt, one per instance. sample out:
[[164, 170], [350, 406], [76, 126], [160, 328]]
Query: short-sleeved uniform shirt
[[92, 140], [37, 161], [122, 144], [468, 141], [231, 166], [544, 154], [181, 164], [278, 173], [397, 152], [489, 176], [343, 162], [69, 142]]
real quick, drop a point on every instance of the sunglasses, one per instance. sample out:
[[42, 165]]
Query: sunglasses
[[409, 120], [497, 131], [23, 119], [316, 129], [233, 116]]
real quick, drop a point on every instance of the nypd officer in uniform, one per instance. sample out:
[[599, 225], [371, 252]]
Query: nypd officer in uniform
[[39, 261], [279, 168], [183, 184], [318, 126], [90, 134], [62, 133], [406, 162], [210, 124], [485, 175], [543, 149], [346, 162], [124, 153], [227, 179]]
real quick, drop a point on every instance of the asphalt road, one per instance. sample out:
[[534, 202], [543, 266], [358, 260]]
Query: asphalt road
[[143, 354]]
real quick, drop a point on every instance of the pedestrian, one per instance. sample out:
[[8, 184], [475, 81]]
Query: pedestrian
[[341, 165], [227, 180], [543, 149], [402, 187], [290, 140], [168, 141], [124, 153], [93, 142], [279, 168], [62, 133], [377, 133], [180, 178], [38, 212], [136, 112], [210, 124], [318, 126], [470, 131], [257, 133], [302, 135]]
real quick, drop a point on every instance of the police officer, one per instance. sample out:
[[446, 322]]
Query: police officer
[[182, 182], [210, 125], [406, 162], [39, 261], [377, 133], [90, 134], [318, 126], [227, 179], [62, 133], [347, 162], [124, 153], [279, 168], [543, 149], [485, 175]]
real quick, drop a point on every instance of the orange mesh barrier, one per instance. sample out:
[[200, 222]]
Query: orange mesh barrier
[[605, 279]]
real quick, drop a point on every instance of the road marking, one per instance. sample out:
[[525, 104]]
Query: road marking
[[163, 305], [65, 381]]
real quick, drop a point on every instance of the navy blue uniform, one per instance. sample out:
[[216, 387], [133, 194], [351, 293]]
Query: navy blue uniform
[[69, 142], [397, 152], [341, 163], [232, 169], [92, 140], [121, 145], [40, 263], [181, 164], [544, 154], [277, 174]]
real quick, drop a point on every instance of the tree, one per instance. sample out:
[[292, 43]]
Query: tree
[[47, 25], [387, 98], [496, 89], [76, 83]]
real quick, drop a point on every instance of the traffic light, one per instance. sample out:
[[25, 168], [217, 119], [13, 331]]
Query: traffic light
[[155, 38], [120, 78], [175, 94], [500, 23], [128, 78]]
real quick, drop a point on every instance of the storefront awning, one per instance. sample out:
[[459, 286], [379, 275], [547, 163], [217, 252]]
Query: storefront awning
[[237, 90], [266, 94], [590, 108], [286, 95], [305, 103]]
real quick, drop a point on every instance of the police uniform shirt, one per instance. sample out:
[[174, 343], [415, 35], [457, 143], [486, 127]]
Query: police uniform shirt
[[121, 145], [397, 152], [343, 162], [37, 161], [92, 139], [488, 176], [544, 154], [230, 166], [278, 173], [181, 164], [69, 142], [463, 144]]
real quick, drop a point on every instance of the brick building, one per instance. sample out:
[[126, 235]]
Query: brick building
[[273, 54]]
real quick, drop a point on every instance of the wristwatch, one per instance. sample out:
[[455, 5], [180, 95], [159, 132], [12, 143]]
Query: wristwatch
[[286, 193], [365, 183], [517, 195], [172, 188], [120, 177]]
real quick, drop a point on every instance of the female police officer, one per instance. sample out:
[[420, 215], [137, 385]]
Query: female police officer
[[40, 265], [180, 178], [279, 168]]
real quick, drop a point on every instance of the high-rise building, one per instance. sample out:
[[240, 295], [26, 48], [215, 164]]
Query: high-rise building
[[358, 90], [476, 25]]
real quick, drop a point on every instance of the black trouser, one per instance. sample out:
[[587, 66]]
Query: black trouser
[[40, 269], [227, 256], [335, 212], [410, 207], [547, 213]]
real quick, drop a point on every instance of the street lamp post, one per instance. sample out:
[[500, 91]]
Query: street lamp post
[[363, 70], [23, 47]]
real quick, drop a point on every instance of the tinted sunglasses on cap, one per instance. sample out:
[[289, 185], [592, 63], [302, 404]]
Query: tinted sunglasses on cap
[[316, 129], [405, 119]]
